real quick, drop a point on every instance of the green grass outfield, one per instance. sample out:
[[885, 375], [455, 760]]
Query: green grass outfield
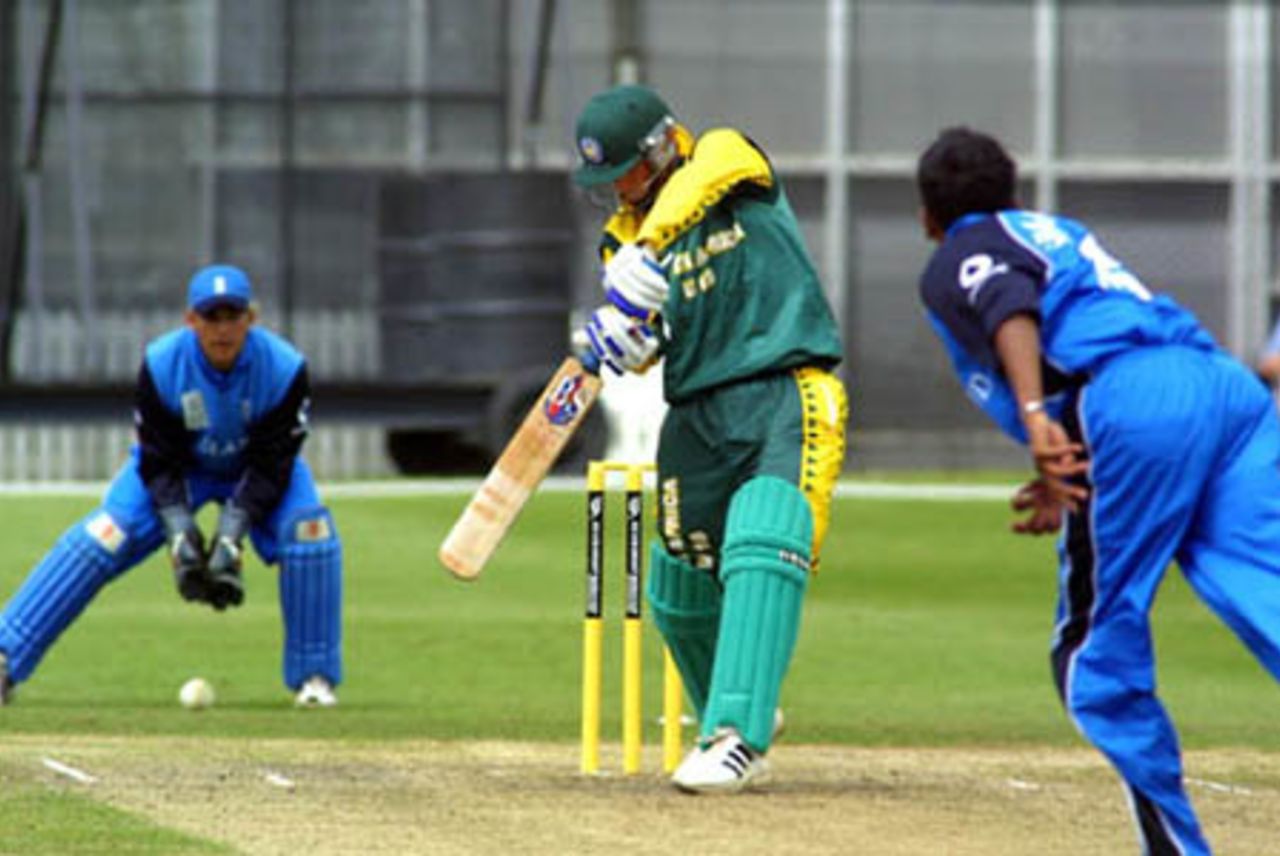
[[928, 626]]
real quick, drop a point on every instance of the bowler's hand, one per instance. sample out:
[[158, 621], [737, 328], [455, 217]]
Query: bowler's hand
[[1045, 512], [1057, 460]]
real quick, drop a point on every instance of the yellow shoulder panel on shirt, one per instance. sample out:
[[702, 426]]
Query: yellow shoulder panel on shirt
[[622, 228], [721, 160], [625, 223]]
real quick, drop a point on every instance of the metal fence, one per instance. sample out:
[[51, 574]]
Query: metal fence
[[256, 131], [39, 452], [339, 345]]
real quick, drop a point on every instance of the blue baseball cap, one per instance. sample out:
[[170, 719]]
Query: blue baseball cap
[[219, 285]]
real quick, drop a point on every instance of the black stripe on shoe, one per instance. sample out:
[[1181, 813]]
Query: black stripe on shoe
[[738, 759]]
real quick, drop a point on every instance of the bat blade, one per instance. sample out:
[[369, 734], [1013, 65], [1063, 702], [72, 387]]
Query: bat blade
[[552, 421]]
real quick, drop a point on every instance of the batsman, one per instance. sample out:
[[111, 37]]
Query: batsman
[[706, 269], [221, 412]]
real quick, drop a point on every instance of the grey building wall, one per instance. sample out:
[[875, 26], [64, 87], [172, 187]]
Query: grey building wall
[[257, 130]]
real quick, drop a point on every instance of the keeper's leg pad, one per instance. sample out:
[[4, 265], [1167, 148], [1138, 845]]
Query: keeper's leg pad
[[311, 597], [764, 567], [87, 556], [686, 610]]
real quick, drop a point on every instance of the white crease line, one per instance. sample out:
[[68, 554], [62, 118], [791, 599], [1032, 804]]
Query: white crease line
[[278, 780], [1220, 787], [68, 771], [1022, 785]]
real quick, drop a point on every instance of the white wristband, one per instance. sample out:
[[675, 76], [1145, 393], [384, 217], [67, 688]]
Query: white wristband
[[1033, 406]]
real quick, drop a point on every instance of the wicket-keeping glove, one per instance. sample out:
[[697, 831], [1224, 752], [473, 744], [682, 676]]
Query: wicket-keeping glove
[[186, 553], [621, 343], [225, 586], [635, 282]]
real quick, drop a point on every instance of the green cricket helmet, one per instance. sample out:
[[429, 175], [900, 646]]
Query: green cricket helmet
[[617, 128]]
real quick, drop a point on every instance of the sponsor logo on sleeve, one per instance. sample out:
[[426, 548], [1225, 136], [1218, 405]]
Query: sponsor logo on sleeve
[[976, 270], [312, 530], [103, 529], [979, 387]]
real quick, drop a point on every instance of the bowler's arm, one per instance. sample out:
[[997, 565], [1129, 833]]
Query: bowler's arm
[[1017, 344]]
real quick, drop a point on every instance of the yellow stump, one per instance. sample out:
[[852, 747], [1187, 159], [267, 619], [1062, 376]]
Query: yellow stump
[[593, 622], [592, 670], [672, 710], [632, 713], [632, 633]]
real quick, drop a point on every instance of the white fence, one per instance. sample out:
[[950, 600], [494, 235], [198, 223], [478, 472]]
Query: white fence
[[57, 452], [340, 345], [57, 348]]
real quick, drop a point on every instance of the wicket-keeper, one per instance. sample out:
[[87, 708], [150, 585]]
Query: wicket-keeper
[[221, 415]]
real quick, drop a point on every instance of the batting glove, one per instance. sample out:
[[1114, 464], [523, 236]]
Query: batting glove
[[620, 342], [225, 586], [635, 282]]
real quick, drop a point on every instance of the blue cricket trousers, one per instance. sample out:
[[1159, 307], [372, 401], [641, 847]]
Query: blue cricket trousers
[[85, 559], [1185, 465]]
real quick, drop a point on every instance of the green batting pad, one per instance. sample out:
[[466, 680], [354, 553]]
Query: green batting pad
[[769, 516], [686, 609], [765, 570]]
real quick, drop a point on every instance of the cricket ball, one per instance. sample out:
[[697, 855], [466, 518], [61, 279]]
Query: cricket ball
[[196, 694]]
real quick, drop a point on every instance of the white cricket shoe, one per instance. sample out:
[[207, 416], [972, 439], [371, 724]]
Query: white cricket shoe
[[6, 684], [316, 692], [725, 765]]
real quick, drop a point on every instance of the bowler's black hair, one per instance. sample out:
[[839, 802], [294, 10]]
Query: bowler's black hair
[[965, 171]]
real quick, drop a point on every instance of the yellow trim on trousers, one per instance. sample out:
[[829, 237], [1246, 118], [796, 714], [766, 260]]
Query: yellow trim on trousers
[[825, 408]]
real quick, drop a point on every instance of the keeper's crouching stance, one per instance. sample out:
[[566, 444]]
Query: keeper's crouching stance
[[221, 415]]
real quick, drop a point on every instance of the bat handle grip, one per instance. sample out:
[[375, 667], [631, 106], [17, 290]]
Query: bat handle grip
[[589, 361]]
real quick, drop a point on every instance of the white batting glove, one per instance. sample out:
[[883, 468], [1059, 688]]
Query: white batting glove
[[635, 282], [619, 342]]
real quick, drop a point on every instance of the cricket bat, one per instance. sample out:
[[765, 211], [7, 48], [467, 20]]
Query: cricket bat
[[526, 460]]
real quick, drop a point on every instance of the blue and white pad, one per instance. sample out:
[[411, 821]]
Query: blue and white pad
[[87, 556], [311, 597], [686, 610], [764, 568]]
